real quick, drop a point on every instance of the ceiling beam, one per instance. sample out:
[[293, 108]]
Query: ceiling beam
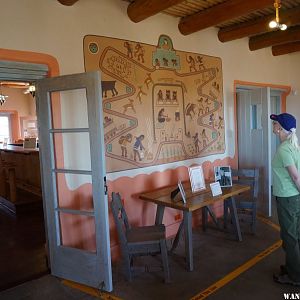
[[286, 48], [67, 2], [140, 10], [289, 17], [220, 13], [277, 37]]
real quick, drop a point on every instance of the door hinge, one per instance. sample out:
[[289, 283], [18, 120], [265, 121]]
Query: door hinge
[[105, 186]]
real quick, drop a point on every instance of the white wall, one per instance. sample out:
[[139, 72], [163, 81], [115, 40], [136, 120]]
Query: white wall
[[49, 27]]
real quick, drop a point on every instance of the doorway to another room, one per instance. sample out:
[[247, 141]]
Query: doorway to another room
[[22, 227], [255, 141]]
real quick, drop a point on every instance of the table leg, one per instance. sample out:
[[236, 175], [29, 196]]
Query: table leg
[[159, 214], [187, 224], [234, 218], [177, 237]]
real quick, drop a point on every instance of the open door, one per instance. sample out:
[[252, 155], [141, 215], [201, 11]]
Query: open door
[[73, 177], [253, 110]]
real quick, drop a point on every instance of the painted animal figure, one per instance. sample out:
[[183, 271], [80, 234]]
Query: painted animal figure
[[109, 86]]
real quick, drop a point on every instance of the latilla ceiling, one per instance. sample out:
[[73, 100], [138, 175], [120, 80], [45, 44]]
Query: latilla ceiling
[[235, 19]]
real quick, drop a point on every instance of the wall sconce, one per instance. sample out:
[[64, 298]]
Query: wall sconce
[[275, 23]]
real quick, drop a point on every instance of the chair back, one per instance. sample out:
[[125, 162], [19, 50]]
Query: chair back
[[247, 176], [120, 217]]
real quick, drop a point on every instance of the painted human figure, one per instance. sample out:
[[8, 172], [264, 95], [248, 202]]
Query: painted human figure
[[139, 52], [140, 94], [196, 142], [162, 116], [128, 46], [211, 119], [123, 141], [221, 122], [200, 63], [204, 138], [160, 97], [192, 63], [138, 146], [148, 80]]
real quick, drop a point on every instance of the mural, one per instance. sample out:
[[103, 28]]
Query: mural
[[160, 105]]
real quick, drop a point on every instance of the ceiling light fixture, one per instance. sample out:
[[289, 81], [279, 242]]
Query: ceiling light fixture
[[2, 96], [275, 23]]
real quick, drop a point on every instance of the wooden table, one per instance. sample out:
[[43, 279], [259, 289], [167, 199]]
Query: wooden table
[[194, 201]]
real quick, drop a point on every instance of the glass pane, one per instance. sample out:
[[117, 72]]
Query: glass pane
[[75, 191], [78, 231], [67, 106], [72, 151], [4, 128]]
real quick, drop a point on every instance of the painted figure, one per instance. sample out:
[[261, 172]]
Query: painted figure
[[129, 105], [128, 46], [161, 116], [138, 146], [123, 141], [196, 142]]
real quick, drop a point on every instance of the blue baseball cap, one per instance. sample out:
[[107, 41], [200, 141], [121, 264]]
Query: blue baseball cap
[[286, 121]]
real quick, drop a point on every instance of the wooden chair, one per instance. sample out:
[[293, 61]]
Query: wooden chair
[[246, 203], [138, 241]]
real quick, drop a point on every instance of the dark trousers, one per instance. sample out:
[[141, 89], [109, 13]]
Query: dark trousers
[[288, 210]]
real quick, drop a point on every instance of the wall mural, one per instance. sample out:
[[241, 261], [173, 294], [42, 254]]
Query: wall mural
[[160, 105]]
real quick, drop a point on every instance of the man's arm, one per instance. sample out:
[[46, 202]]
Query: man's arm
[[294, 175]]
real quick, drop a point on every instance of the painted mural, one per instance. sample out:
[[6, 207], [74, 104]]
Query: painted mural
[[160, 105]]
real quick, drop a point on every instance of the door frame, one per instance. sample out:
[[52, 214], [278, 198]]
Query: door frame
[[285, 91]]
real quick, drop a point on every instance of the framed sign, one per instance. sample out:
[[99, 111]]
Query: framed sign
[[196, 178]]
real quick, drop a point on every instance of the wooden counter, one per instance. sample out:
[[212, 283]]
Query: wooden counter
[[20, 170]]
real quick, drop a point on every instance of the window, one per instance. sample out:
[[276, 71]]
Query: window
[[4, 127]]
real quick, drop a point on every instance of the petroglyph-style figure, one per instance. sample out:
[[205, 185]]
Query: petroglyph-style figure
[[190, 110], [221, 123], [168, 95], [211, 119], [200, 63], [148, 80], [123, 141], [174, 62], [140, 94], [138, 146], [161, 117], [128, 46], [177, 115], [174, 96], [165, 62], [196, 142], [160, 96], [156, 63], [139, 52], [109, 86], [204, 138], [216, 85], [192, 63], [129, 105], [200, 107]]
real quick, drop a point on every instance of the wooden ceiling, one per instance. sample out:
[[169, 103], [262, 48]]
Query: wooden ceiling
[[234, 19]]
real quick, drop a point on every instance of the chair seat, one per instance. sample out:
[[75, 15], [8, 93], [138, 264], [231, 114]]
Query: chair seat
[[145, 234]]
